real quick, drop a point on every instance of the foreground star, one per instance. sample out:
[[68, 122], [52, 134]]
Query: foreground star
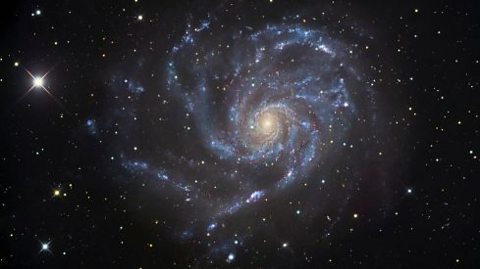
[[45, 247], [38, 82]]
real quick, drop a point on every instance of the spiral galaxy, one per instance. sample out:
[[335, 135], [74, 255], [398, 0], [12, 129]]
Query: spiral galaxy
[[276, 96], [240, 134], [261, 113]]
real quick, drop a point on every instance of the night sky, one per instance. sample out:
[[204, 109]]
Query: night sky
[[240, 134]]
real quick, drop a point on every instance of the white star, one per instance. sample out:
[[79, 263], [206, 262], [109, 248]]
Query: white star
[[38, 82], [45, 247]]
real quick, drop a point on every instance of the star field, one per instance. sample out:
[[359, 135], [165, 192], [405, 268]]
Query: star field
[[239, 134]]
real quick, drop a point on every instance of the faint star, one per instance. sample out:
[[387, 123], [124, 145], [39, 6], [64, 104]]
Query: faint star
[[56, 192], [230, 257]]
